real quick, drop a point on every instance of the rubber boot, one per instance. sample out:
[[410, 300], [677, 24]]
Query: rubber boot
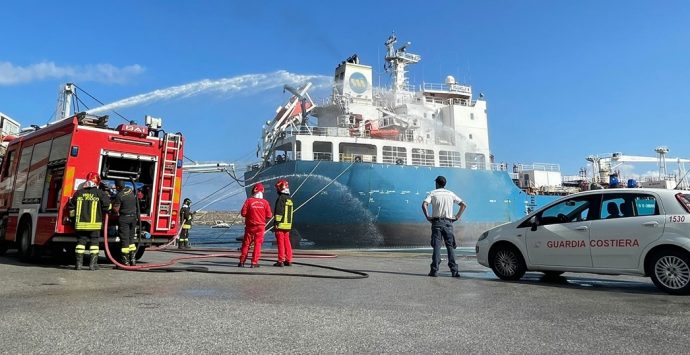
[[124, 260], [278, 264], [133, 258], [79, 262], [180, 244], [186, 245], [93, 265]]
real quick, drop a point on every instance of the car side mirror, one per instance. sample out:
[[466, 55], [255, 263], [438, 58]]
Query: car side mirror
[[533, 223]]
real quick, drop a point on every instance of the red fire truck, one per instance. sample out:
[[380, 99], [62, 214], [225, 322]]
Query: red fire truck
[[42, 169]]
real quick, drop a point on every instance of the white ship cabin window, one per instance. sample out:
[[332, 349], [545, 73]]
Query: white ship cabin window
[[357, 153], [423, 157], [448, 158], [394, 155], [470, 136], [476, 161], [323, 151], [472, 115]]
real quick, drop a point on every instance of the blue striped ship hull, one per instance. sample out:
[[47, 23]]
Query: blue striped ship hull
[[349, 205]]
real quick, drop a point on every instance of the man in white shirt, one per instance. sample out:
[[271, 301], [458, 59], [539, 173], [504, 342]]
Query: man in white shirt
[[442, 219]]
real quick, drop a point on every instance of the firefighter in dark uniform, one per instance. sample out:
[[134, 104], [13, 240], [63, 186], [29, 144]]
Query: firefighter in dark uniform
[[186, 216], [283, 223], [125, 205], [87, 207]]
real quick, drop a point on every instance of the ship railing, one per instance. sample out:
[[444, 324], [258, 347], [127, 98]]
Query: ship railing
[[517, 168], [408, 56], [452, 101], [499, 166], [340, 132], [536, 167], [448, 87]]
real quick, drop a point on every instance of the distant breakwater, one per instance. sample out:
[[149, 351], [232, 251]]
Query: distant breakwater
[[210, 217]]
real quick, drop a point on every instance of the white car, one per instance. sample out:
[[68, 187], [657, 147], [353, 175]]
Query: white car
[[612, 231]]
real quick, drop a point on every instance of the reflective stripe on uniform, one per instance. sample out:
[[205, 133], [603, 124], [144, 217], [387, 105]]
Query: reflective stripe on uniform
[[124, 250], [186, 226], [87, 226], [286, 223], [132, 247], [79, 249]]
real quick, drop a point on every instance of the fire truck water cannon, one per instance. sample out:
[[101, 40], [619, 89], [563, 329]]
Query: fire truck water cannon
[[153, 123]]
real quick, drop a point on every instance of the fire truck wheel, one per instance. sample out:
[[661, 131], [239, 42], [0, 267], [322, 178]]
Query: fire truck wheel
[[140, 253], [24, 248]]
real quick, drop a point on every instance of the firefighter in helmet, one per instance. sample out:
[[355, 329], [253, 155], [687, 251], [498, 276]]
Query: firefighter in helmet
[[86, 208], [283, 223], [186, 216], [255, 211], [125, 205]]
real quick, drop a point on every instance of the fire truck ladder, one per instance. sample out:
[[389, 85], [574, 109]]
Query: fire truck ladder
[[166, 193]]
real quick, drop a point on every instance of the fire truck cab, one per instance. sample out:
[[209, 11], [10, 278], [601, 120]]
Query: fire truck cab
[[42, 169]]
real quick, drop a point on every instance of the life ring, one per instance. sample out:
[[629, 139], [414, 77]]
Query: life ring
[[399, 161], [420, 139], [358, 159]]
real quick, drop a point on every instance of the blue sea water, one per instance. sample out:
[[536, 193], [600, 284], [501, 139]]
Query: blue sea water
[[229, 238], [206, 237]]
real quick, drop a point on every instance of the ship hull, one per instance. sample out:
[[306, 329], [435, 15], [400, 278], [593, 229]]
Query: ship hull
[[354, 205]]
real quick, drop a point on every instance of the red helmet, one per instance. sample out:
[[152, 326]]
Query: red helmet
[[259, 187], [93, 178], [282, 184]]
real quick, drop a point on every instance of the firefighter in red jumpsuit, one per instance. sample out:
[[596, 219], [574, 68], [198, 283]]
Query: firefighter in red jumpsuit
[[283, 223], [255, 211]]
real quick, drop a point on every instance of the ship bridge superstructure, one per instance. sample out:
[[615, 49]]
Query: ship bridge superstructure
[[434, 124]]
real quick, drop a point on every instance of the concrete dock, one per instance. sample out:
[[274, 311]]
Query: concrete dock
[[48, 308]]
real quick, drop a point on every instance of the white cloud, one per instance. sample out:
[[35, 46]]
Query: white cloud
[[249, 83], [11, 74]]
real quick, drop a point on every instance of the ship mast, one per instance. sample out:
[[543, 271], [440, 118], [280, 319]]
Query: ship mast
[[65, 102], [396, 60]]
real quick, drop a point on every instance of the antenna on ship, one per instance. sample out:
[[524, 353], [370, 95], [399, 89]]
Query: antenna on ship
[[396, 60]]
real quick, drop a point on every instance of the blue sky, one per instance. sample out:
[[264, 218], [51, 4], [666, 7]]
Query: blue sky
[[563, 79]]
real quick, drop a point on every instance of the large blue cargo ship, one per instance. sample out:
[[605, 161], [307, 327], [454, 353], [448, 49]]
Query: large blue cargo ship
[[360, 165]]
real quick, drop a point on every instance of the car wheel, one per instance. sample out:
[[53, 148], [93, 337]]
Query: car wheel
[[507, 263], [24, 248], [670, 271]]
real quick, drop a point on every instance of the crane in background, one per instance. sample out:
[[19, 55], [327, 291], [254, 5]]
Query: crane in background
[[604, 166]]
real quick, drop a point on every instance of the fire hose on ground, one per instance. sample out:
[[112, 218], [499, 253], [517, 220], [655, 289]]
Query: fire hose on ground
[[167, 266]]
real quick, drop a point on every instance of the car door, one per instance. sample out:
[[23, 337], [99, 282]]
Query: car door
[[618, 240], [560, 236]]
